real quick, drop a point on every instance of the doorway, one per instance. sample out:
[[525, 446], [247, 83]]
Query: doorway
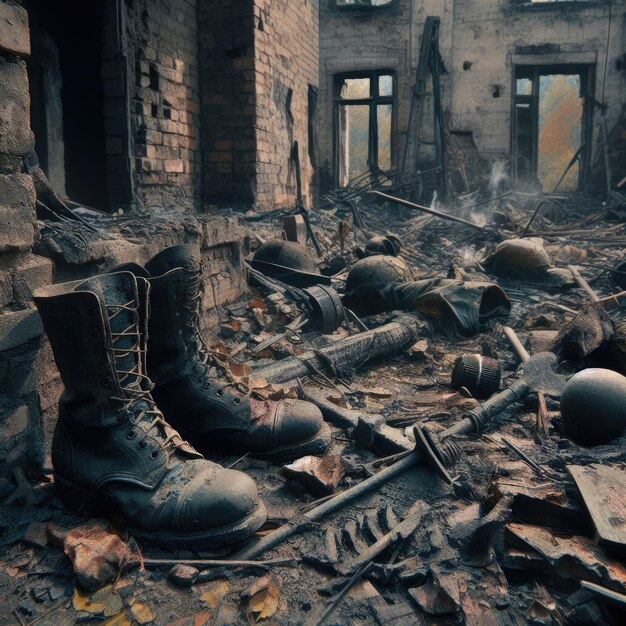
[[552, 109], [67, 100]]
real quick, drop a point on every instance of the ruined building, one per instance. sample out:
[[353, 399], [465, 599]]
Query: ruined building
[[190, 106], [187, 107]]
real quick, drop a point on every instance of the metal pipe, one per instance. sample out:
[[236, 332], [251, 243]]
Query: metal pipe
[[426, 209]]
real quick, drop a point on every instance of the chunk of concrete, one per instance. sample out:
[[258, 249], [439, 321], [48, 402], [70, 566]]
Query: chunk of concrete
[[19, 327], [33, 272], [14, 33], [17, 209], [15, 135]]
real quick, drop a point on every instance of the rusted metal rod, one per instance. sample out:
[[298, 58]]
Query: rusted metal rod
[[425, 209]]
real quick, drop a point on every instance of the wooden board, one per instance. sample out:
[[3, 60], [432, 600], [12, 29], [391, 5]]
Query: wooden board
[[603, 488]]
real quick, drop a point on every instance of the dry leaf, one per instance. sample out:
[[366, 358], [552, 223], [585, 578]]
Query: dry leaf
[[118, 620], [264, 598], [142, 613], [202, 619], [258, 303], [215, 594], [105, 602], [98, 555]]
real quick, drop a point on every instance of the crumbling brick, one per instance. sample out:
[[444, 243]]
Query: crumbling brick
[[14, 33], [17, 210], [18, 328]]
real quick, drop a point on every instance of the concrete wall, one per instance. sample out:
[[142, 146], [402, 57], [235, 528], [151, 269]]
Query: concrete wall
[[489, 36], [286, 51], [494, 35], [381, 39]]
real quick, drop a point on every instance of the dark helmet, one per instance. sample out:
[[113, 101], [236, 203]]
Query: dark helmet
[[368, 277], [289, 262]]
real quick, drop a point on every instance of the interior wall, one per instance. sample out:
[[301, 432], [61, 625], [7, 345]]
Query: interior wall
[[495, 35], [286, 50], [387, 38], [161, 49], [227, 80]]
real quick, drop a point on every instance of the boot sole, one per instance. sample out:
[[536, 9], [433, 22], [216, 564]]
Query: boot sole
[[84, 501], [316, 445]]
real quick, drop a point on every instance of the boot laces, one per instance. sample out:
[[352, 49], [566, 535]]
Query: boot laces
[[137, 400], [207, 360]]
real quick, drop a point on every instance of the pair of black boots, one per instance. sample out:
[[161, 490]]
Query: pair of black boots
[[136, 373]]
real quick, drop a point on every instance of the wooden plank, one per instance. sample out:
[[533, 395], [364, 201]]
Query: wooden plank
[[603, 488], [574, 558]]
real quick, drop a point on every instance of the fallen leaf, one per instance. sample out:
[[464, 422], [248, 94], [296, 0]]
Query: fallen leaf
[[105, 602], [214, 595], [98, 555], [118, 620], [202, 619], [264, 597], [142, 613]]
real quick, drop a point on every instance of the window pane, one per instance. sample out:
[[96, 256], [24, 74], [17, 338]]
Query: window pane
[[385, 85], [524, 87], [355, 88], [383, 112], [353, 141]]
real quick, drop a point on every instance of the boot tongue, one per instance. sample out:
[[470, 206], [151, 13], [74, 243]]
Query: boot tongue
[[115, 291], [185, 256]]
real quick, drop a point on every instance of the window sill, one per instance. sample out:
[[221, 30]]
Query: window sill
[[524, 5]]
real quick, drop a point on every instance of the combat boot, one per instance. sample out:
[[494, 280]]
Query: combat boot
[[213, 415], [112, 450]]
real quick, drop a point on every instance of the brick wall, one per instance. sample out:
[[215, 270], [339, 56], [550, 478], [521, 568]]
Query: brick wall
[[286, 51], [253, 54], [228, 100], [162, 53]]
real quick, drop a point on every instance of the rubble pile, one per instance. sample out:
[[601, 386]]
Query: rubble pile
[[453, 490]]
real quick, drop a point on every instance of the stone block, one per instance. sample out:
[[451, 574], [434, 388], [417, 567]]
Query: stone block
[[15, 135], [19, 327], [6, 288], [14, 33], [17, 209], [14, 423], [32, 273]]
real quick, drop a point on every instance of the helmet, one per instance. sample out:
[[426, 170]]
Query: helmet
[[520, 256], [368, 277], [288, 261], [593, 406]]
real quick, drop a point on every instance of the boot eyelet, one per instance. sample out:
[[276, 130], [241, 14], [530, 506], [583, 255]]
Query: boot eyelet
[[219, 392], [142, 444], [237, 401], [131, 434], [206, 385], [154, 454]]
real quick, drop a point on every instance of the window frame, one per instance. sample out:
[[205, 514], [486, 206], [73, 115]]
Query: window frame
[[360, 7], [373, 101]]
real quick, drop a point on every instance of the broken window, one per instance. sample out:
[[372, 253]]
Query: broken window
[[364, 104], [551, 125]]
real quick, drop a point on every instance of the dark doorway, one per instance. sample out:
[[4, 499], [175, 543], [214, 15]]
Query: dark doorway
[[67, 101], [552, 111]]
